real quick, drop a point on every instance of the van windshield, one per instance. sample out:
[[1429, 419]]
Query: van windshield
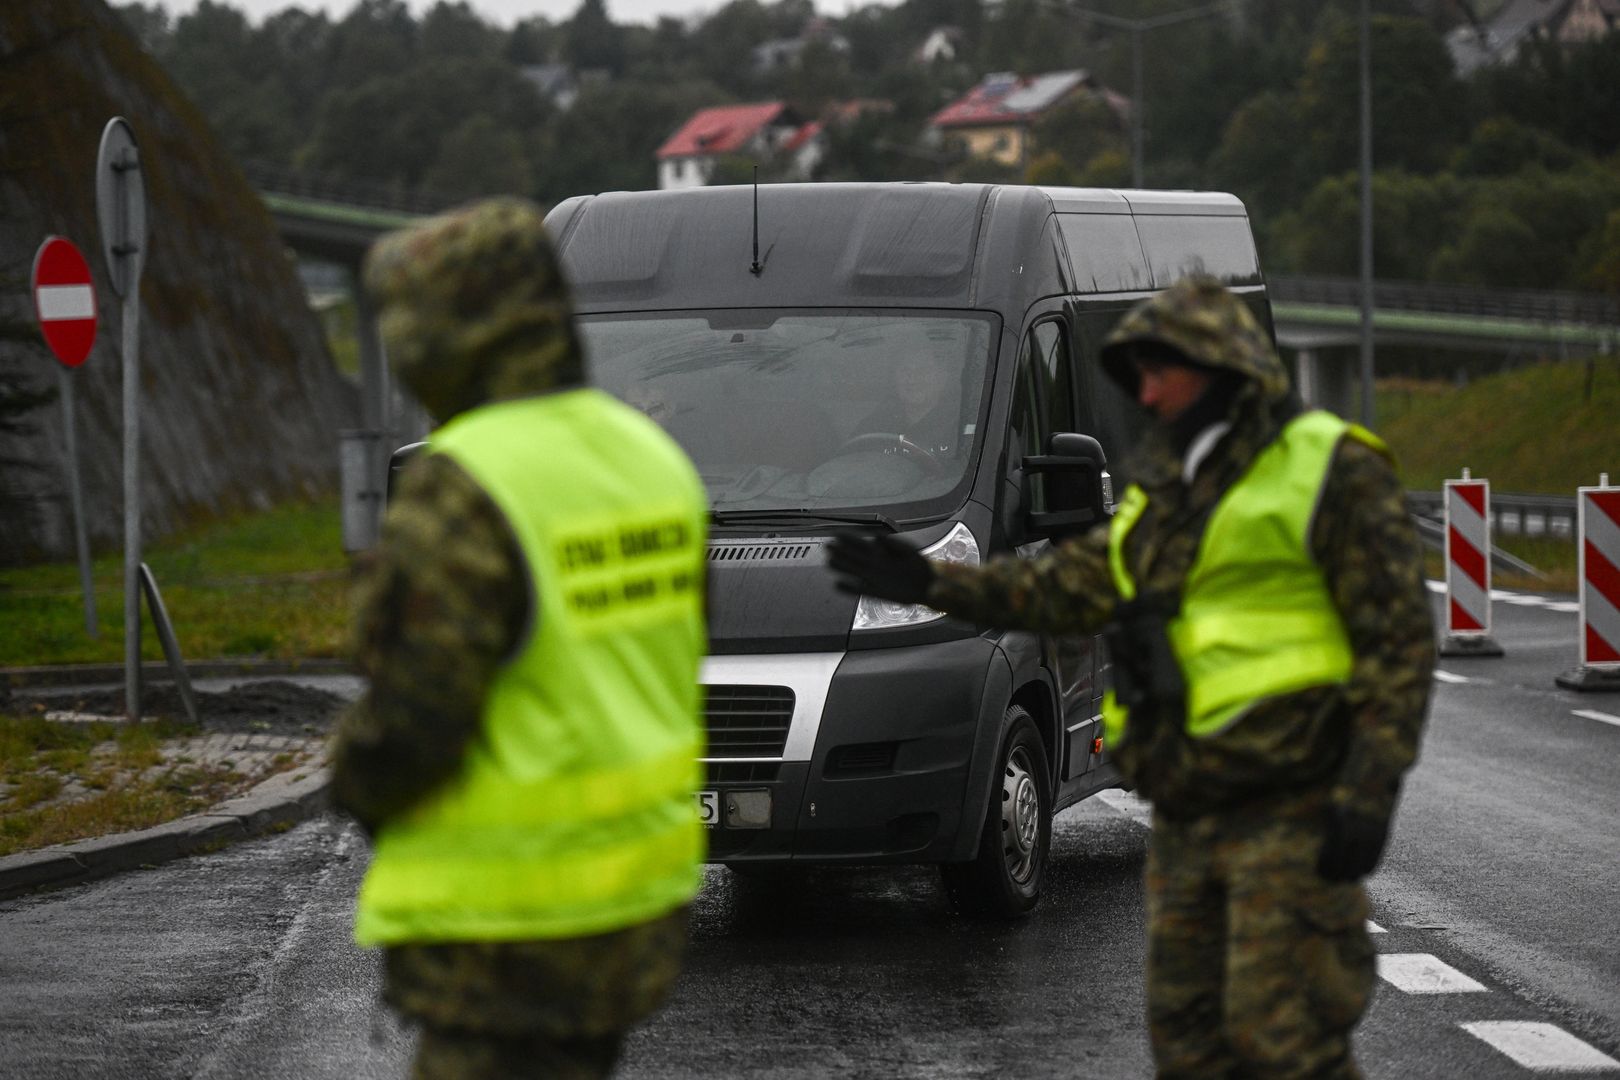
[[819, 410]]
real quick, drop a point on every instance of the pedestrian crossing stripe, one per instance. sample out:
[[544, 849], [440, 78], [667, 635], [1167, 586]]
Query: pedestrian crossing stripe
[[1421, 973], [1541, 1047]]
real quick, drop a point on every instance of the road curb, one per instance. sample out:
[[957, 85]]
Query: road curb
[[154, 672], [282, 800]]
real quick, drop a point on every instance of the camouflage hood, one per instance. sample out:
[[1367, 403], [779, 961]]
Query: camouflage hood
[[1199, 318], [473, 308]]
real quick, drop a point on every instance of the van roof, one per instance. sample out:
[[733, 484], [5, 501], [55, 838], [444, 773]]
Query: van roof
[[1069, 200], [852, 244]]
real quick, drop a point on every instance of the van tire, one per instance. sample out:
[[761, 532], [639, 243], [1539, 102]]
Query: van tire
[[1005, 879]]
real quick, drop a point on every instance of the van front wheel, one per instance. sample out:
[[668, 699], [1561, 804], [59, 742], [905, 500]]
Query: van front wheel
[[1005, 879]]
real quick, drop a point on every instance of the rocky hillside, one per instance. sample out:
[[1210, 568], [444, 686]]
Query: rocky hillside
[[240, 403]]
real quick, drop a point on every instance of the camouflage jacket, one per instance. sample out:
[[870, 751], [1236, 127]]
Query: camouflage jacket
[[1356, 740]]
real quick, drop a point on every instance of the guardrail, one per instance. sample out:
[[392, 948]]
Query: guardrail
[[1537, 304], [281, 181], [1511, 515]]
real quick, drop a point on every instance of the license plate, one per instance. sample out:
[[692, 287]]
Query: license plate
[[709, 807]]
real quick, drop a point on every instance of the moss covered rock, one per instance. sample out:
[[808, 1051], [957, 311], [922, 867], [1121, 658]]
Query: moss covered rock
[[240, 404]]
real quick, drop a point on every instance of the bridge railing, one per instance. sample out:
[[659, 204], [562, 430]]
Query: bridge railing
[[1538, 304], [1511, 515], [284, 181]]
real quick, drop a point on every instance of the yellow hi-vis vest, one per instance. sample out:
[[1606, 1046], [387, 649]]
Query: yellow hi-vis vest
[[573, 812], [1257, 619]]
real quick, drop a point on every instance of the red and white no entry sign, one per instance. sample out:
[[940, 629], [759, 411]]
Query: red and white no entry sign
[[64, 300]]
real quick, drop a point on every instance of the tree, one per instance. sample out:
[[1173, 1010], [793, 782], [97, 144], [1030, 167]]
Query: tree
[[1501, 146], [606, 141], [1077, 130], [1259, 156], [455, 30], [1598, 265], [481, 158], [1490, 251], [1570, 92], [591, 40], [1051, 170], [376, 40], [1418, 104], [391, 128]]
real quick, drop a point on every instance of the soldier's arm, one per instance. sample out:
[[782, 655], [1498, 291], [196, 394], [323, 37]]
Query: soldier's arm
[[1364, 541], [1067, 590], [435, 615]]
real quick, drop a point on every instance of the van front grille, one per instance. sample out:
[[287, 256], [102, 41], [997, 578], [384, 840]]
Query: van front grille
[[747, 721]]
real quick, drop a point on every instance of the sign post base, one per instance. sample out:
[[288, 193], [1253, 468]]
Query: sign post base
[[1591, 679], [1469, 645]]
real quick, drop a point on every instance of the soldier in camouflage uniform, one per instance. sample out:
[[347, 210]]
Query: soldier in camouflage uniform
[[474, 310], [1259, 964]]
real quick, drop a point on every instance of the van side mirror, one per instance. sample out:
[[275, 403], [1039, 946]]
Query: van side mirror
[[397, 461], [1074, 467]]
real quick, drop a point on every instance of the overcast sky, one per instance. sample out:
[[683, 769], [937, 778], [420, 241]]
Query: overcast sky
[[503, 12]]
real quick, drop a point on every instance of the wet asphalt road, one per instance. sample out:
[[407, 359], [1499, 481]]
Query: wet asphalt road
[[1504, 867]]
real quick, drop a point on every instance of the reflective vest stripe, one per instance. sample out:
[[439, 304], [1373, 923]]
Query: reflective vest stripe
[[576, 797], [573, 892]]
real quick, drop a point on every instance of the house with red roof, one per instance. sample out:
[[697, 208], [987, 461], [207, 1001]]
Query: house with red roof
[[993, 119], [759, 131]]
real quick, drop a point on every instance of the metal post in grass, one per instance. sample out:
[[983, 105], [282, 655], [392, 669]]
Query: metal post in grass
[[121, 217], [1367, 405]]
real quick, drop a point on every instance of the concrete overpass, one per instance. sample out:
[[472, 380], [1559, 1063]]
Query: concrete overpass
[[1313, 314]]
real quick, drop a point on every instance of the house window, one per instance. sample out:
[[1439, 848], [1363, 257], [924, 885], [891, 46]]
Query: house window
[[677, 168]]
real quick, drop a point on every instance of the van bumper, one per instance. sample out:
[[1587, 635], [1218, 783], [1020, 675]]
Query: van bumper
[[880, 773]]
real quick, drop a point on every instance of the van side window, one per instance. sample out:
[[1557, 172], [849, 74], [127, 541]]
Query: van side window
[[1178, 245], [1110, 414], [1043, 399]]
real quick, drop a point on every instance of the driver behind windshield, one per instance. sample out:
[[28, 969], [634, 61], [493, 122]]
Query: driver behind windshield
[[920, 403]]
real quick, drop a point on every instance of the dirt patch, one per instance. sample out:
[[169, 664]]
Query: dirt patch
[[272, 707]]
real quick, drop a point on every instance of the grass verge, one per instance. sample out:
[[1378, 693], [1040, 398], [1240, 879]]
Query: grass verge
[[61, 782], [268, 585]]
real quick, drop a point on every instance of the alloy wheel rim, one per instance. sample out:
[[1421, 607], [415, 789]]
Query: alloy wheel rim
[[1020, 817]]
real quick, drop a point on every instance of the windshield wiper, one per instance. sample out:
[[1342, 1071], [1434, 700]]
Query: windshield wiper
[[736, 517]]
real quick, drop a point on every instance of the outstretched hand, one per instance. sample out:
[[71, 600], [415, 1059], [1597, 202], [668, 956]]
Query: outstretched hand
[[1352, 846], [882, 566]]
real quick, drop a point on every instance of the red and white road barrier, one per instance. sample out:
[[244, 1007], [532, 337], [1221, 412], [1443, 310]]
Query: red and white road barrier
[[1468, 569], [1598, 540]]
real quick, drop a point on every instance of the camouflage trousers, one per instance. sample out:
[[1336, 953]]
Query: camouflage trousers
[[556, 1009], [1256, 966]]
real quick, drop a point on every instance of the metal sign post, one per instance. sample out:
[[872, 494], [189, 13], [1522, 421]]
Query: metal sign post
[[121, 215], [65, 305]]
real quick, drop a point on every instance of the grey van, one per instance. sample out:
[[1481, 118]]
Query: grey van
[[914, 358]]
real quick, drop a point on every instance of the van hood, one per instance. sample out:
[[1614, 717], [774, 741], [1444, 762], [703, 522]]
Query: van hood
[[774, 595]]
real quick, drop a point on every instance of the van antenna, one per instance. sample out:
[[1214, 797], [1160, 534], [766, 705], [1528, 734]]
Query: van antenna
[[756, 267]]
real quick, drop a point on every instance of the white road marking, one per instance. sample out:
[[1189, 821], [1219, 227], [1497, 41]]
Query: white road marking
[[1517, 599], [1448, 677], [1374, 928], [1600, 717], [1541, 1047], [1420, 973], [1132, 806]]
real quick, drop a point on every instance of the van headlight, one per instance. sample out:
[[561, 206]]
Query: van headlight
[[871, 613]]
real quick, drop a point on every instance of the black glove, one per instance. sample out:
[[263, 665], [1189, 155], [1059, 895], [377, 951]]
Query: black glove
[[1352, 845], [882, 566]]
